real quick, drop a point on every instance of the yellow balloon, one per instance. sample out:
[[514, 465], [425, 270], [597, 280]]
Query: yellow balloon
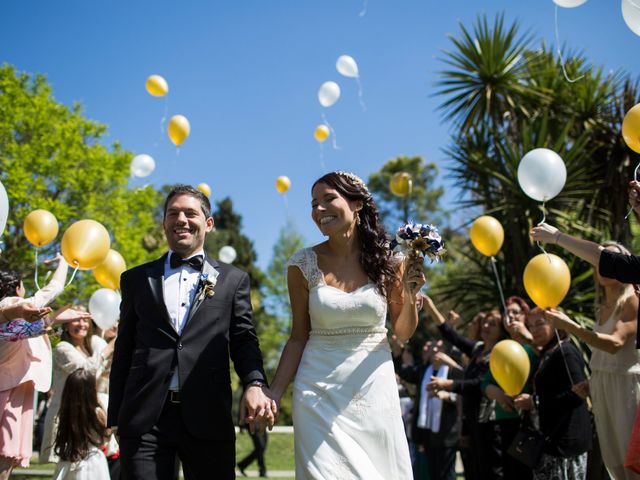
[[547, 280], [179, 129], [85, 244], [108, 272], [157, 86], [487, 235], [282, 184], [631, 128], [205, 189], [400, 184], [322, 133], [509, 364], [40, 227]]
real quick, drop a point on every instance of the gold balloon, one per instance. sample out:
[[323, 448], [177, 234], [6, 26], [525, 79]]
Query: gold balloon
[[85, 244], [509, 364], [321, 133], [179, 129], [547, 280], [108, 272], [157, 86], [40, 227], [400, 184], [487, 235], [631, 128], [205, 189], [282, 184]]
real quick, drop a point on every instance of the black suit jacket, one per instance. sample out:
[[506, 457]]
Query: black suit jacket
[[148, 349]]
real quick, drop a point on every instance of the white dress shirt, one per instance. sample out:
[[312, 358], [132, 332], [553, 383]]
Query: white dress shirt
[[180, 286]]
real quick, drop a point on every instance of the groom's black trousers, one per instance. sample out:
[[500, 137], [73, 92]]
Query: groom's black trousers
[[154, 455]]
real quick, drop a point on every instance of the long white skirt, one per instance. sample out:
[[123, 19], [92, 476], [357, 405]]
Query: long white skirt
[[615, 401], [346, 411]]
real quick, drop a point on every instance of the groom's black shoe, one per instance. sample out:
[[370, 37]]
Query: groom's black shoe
[[241, 468]]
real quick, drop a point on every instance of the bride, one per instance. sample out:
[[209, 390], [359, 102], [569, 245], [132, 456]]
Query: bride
[[346, 410]]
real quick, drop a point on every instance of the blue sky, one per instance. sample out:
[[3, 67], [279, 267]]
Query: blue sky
[[246, 74]]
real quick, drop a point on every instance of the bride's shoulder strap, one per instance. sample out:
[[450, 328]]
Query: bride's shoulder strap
[[305, 260]]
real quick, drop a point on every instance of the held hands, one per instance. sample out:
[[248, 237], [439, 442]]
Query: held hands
[[545, 233], [258, 408]]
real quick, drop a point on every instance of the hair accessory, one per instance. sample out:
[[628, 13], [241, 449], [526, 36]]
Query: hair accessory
[[354, 178]]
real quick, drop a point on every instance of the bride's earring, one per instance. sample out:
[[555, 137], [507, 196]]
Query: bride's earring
[[357, 219]]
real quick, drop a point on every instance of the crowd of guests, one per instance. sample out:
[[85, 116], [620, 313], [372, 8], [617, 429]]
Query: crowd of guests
[[563, 398], [72, 378]]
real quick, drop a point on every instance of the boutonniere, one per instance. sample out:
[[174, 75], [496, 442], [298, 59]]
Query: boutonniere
[[208, 281]]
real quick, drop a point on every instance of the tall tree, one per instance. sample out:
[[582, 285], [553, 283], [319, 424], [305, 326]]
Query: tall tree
[[52, 157], [506, 96]]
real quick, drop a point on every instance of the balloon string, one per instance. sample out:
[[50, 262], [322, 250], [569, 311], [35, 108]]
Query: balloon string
[[635, 177], [334, 139], [563, 357], [360, 96], [36, 273], [544, 218], [562, 62], [73, 275], [164, 116], [364, 9], [322, 164], [495, 272]]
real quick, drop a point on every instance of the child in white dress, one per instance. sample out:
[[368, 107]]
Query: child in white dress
[[82, 432]]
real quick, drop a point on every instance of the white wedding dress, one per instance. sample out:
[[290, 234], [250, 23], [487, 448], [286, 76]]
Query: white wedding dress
[[346, 409]]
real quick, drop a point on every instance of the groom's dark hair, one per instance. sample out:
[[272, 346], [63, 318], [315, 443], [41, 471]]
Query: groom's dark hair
[[182, 189]]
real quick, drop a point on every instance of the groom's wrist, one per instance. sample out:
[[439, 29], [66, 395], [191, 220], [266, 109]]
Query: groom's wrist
[[255, 383]]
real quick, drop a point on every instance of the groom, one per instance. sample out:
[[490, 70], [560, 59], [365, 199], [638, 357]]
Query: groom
[[181, 317]]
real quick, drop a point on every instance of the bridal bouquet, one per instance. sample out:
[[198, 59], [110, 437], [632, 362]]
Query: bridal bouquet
[[419, 239]]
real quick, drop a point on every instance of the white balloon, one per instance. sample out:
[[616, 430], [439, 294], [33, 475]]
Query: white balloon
[[104, 307], [631, 14], [227, 254], [569, 3], [328, 94], [142, 165], [347, 66], [4, 208], [542, 174]]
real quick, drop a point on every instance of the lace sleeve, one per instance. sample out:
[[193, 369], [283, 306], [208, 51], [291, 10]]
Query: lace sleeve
[[306, 261]]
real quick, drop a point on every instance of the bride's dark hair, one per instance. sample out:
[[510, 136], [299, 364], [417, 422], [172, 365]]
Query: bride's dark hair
[[375, 255]]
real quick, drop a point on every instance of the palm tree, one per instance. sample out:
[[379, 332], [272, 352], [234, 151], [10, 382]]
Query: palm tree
[[506, 97]]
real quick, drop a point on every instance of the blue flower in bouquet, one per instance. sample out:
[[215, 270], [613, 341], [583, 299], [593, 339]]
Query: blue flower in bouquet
[[419, 239]]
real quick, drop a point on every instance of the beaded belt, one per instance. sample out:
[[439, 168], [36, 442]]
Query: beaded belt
[[349, 338]]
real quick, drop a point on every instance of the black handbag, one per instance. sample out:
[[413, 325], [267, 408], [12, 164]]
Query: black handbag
[[527, 445]]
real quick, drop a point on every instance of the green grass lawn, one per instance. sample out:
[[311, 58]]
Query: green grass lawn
[[279, 455]]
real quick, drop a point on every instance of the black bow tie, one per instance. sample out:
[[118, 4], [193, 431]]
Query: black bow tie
[[194, 262]]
